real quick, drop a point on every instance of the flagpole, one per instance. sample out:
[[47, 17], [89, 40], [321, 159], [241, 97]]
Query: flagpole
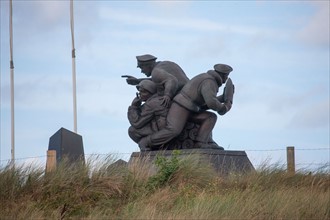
[[73, 69], [12, 83]]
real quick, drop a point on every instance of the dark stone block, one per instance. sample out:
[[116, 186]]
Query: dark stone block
[[223, 161], [68, 145], [118, 164]]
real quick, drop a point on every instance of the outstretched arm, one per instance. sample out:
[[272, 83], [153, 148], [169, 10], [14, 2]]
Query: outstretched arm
[[131, 80]]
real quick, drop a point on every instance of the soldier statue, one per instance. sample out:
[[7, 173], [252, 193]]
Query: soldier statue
[[182, 105]]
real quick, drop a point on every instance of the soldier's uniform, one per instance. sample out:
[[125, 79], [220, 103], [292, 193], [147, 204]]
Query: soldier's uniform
[[147, 118], [199, 92], [168, 76]]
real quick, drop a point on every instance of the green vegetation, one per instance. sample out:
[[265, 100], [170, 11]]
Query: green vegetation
[[180, 189]]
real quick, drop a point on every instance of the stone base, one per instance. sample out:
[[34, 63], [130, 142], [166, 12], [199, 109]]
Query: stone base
[[223, 161]]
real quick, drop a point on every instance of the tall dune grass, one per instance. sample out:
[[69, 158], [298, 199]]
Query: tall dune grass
[[185, 189]]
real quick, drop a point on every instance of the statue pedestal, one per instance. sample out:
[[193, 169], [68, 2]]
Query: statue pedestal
[[223, 161]]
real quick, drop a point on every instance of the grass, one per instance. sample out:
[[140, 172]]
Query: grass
[[181, 189]]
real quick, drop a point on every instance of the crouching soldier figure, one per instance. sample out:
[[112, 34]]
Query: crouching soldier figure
[[146, 118], [191, 103]]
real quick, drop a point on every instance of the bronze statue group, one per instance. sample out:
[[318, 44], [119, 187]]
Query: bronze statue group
[[171, 111]]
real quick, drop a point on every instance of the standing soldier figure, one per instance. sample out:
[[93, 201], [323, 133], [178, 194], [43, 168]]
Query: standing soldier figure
[[168, 76]]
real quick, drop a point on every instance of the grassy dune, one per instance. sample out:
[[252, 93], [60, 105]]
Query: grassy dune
[[181, 189]]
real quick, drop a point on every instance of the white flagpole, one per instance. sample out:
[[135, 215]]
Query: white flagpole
[[12, 83], [73, 69]]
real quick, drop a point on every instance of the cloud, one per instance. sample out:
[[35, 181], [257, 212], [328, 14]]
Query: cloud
[[199, 38], [311, 116], [137, 19], [316, 31], [39, 22], [105, 96], [46, 15], [171, 5], [36, 92], [95, 95], [178, 21], [307, 108]]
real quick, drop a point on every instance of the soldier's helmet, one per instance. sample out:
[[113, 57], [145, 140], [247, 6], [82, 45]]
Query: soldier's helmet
[[223, 68], [148, 85]]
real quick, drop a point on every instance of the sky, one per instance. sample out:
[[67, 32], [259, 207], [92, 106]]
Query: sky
[[279, 51]]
